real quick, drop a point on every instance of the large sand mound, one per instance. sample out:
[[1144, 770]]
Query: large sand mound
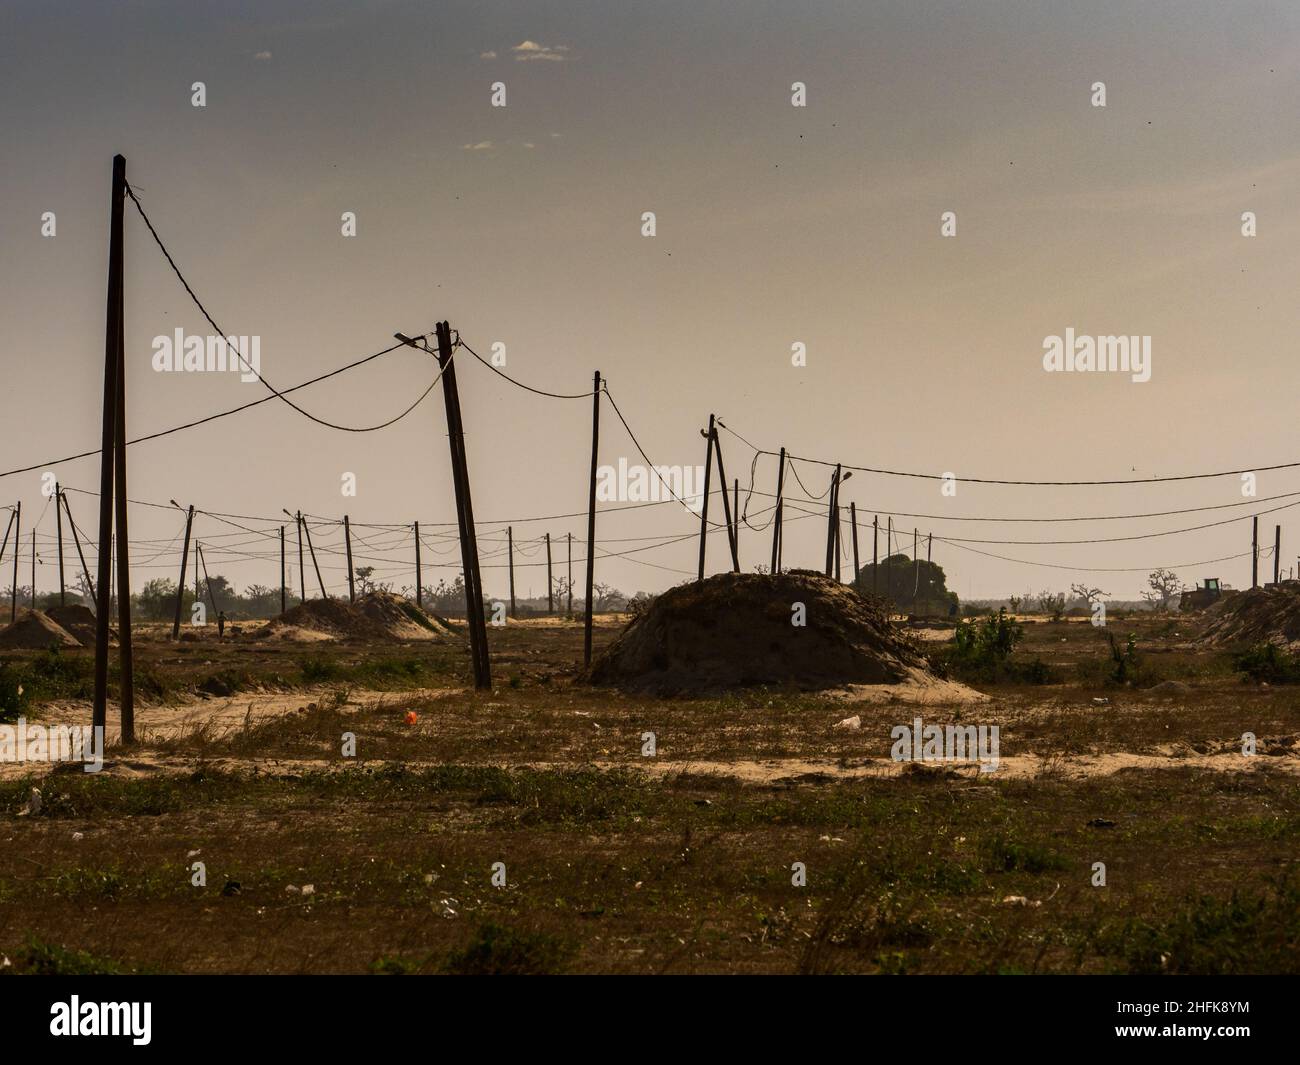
[[377, 616], [76, 619], [735, 630], [36, 630], [1257, 615]]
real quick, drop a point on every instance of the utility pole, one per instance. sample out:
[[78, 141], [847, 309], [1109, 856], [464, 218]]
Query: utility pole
[[1254, 552], [284, 599], [1277, 553], [108, 442], [889, 547], [510, 552], [726, 503], [185, 554], [13, 593], [735, 510], [853, 519], [419, 579], [58, 522], [704, 509], [464, 513], [929, 545], [831, 506], [314, 564], [875, 553], [776, 515], [570, 608], [76, 541], [591, 517], [916, 564], [33, 568], [212, 599], [8, 529], [550, 586], [347, 539]]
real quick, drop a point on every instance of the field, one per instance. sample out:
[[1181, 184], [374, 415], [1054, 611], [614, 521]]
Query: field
[[684, 860]]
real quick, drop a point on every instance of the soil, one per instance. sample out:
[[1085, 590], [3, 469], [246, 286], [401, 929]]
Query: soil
[[1256, 615], [36, 630]]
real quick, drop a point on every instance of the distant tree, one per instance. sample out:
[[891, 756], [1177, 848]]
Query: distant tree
[[607, 597], [1165, 584], [915, 588], [261, 601], [1087, 594], [364, 584], [1052, 604], [156, 601]]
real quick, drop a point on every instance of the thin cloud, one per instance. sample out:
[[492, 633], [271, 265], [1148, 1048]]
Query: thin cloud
[[487, 55], [480, 146], [526, 51], [262, 55]]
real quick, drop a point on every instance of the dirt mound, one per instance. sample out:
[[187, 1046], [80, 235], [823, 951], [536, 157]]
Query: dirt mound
[[1257, 615], [76, 619], [377, 616], [739, 629], [36, 630], [401, 618]]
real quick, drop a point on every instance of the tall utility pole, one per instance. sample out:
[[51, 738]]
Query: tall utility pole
[[875, 553], [726, 502], [464, 512], [284, 603], [302, 572], [510, 551], [832, 507], [347, 539], [419, 578], [58, 522], [1254, 552], [8, 529], [76, 542], [33, 568], [704, 508], [570, 608], [112, 466], [853, 519], [591, 516], [314, 564], [185, 554], [776, 515], [1277, 553], [550, 586], [13, 593]]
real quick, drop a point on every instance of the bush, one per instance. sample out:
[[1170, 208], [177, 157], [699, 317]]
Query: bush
[[1268, 662], [982, 649], [497, 951]]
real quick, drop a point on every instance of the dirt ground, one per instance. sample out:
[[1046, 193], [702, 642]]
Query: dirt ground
[[549, 825]]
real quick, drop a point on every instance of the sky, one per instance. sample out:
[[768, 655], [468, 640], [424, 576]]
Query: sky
[[775, 225]]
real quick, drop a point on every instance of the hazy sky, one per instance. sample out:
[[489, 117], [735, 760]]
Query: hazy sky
[[775, 225]]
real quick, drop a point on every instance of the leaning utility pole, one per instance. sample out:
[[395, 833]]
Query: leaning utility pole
[[185, 554], [853, 520], [776, 515], [464, 513], [591, 516], [550, 587], [314, 564], [8, 530], [704, 508], [726, 503], [76, 541]]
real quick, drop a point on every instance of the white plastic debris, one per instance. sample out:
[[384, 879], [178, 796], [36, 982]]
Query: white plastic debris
[[852, 723], [33, 806]]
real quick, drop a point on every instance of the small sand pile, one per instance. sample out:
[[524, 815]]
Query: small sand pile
[[377, 616], [1257, 615], [76, 619], [736, 630], [36, 630]]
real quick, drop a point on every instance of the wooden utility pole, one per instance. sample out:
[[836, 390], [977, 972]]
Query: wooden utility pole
[[726, 502], [185, 554], [929, 545], [314, 564], [76, 542], [853, 519], [1254, 552], [302, 572], [464, 513], [831, 507], [704, 508], [889, 548], [8, 529], [284, 598], [570, 607], [125, 653], [1277, 552], [875, 553], [916, 564], [33, 568], [591, 517], [735, 510], [550, 586], [347, 539], [207, 581], [419, 577], [510, 552], [58, 523], [108, 443], [776, 515], [13, 592]]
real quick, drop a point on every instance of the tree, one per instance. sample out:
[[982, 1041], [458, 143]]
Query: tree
[[1165, 584], [915, 588], [1088, 595], [364, 584], [607, 597], [1052, 603], [157, 599]]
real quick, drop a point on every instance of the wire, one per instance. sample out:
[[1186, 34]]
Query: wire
[[520, 384]]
